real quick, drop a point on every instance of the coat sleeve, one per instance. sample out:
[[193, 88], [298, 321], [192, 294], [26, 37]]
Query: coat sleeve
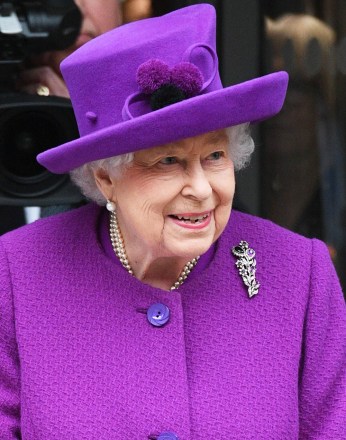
[[322, 399], [9, 362]]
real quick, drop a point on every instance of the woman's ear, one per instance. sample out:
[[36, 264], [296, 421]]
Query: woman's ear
[[105, 183]]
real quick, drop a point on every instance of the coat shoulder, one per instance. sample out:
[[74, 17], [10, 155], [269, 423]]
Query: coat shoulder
[[54, 231], [281, 255], [266, 234]]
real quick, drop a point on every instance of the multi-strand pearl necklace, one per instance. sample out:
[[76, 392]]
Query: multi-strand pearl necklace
[[119, 250]]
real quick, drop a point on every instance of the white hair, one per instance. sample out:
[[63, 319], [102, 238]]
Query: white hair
[[241, 146]]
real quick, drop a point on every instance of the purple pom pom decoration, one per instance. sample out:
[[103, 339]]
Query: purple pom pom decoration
[[152, 74], [188, 78]]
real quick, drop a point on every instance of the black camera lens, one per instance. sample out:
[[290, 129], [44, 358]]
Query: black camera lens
[[30, 125], [24, 137]]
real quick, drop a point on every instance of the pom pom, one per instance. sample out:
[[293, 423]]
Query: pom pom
[[151, 75], [166, 95], [188, 78]]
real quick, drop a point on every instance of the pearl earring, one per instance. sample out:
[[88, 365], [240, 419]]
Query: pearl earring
[[110, 206]]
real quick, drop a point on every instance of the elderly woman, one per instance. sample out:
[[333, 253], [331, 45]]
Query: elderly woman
[[161, 314]]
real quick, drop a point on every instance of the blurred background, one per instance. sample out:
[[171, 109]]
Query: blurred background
[[297, 176]]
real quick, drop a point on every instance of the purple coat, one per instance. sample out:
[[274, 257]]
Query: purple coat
[[80, 360]]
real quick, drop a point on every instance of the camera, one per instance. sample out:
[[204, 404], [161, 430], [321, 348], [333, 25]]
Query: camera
[[30, 124]]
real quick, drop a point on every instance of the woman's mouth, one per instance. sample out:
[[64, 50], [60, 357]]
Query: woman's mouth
[[193, 221]]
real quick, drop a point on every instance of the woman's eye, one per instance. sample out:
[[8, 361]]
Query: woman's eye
[[216, 155], [168, 160]]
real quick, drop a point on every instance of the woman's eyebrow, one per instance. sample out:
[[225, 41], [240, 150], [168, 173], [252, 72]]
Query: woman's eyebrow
[[174, 148], [215, 137], [212, 138], [169, 150]]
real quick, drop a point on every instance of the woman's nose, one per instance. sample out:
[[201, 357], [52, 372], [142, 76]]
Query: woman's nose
[[197, 184]]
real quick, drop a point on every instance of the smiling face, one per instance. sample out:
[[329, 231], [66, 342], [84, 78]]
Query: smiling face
[[174, 200]]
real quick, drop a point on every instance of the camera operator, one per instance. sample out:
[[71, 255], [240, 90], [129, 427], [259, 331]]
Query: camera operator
[[43, 75]]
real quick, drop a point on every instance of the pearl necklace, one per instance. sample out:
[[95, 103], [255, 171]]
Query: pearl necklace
[[119, 250]]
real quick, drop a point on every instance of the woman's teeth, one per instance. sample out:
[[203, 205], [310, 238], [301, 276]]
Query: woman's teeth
[[192, 219]]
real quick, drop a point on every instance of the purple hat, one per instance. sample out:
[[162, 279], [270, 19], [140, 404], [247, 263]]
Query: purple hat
[[152, 82]]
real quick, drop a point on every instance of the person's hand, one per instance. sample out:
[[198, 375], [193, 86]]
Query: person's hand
[[41, 78]]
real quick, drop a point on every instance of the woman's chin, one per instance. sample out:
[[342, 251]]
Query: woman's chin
[[192, 250], [188, 242]]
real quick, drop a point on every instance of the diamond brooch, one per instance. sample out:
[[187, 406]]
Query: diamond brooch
[[246, 264]]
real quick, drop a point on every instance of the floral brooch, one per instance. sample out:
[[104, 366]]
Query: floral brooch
[[165, 85], [246, 264]]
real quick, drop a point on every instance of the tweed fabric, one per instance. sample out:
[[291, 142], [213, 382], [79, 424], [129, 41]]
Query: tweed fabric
[[79, 360]]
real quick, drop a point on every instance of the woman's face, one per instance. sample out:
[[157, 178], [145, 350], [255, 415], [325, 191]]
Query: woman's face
[[175, 200]]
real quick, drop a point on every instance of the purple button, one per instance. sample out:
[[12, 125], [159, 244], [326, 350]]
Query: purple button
[[158, 315], [168, 435]]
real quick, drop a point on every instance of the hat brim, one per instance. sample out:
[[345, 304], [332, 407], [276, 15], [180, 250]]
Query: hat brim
[[250, 101]]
